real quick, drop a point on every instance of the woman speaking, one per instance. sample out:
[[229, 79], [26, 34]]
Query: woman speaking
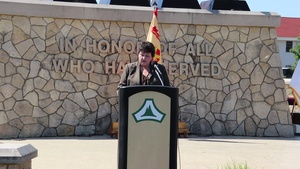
[[145, 71]]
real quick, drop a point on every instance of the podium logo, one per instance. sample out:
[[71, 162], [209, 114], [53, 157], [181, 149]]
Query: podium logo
[[148, 112]]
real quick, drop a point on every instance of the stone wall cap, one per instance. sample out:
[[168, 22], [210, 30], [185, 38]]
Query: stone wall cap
[[137, 14], [16, 153]]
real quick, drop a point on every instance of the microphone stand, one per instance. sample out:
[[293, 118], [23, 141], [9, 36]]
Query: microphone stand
[[157, 71], [159, 76]]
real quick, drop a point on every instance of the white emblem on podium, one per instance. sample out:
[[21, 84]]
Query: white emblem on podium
[[148, 112]]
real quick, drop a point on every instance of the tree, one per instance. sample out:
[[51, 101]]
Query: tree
[[296, 51]]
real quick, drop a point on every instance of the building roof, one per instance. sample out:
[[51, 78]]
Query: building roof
[[289, 27]]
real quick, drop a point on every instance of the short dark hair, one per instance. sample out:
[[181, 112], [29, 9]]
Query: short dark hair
[[147, 47]]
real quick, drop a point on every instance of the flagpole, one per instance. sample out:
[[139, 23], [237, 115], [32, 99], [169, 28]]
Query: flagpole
[[153, 33], [154, 4]]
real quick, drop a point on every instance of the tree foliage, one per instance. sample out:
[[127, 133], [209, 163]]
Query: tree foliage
[[296, 51]]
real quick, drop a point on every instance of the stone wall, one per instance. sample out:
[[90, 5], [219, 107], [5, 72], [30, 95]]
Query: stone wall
[[246, 97]]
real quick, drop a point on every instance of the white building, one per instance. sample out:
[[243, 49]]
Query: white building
[[288, 33]]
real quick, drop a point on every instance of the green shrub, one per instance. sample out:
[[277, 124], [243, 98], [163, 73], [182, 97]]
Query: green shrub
[[235, 166]]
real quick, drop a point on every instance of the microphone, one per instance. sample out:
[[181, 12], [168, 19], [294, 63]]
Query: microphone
[[154, 65], [157, 71]]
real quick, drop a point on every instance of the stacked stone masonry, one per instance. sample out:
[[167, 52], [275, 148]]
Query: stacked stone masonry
[[247, 98]]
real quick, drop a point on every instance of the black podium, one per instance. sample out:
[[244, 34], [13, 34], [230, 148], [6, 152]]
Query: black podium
[[148, 127]]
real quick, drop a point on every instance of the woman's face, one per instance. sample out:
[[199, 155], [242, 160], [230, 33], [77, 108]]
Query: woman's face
[[145, 58]]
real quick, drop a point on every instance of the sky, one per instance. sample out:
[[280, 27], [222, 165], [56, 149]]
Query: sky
[[285, 8]]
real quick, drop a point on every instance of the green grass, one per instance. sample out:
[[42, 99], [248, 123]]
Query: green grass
[[235, 166]]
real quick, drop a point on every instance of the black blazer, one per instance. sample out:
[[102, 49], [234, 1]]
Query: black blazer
[[131, 75]]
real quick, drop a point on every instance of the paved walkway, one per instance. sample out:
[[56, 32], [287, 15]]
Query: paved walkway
[[100, 152]]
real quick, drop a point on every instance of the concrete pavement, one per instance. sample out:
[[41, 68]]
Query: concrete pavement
[[100, 152]]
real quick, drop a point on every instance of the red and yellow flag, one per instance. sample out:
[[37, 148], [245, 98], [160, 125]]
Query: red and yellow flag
[[153, 36]]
